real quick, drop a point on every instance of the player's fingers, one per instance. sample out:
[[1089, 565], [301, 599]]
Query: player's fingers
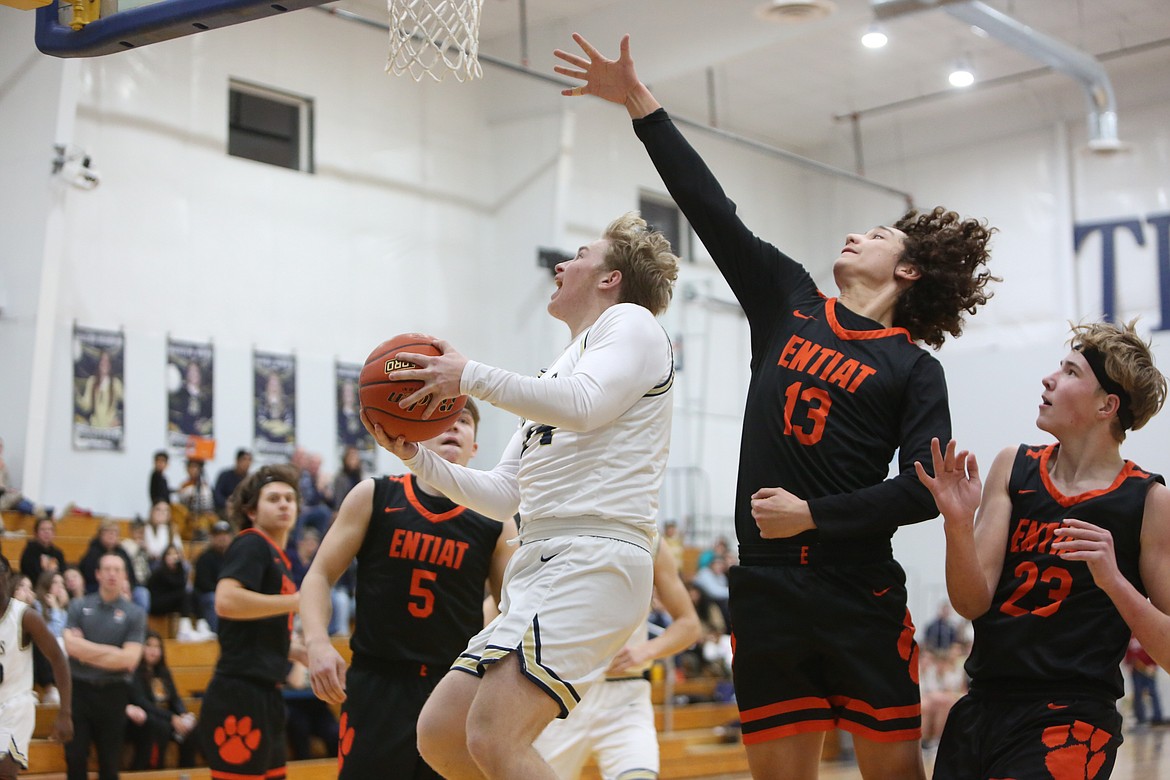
[[972, 467], [949, 460], [587, 47], [571, 58], [936, 456], [923, 477], [572, 73], [624, 47]]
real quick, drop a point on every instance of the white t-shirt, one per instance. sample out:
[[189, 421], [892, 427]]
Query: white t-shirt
[[593, 440], [15, 656]]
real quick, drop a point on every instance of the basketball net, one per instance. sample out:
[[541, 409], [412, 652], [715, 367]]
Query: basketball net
[[435, 37]]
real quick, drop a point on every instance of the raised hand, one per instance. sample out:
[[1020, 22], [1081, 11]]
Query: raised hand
[[611, 80], [1077, 540], [956, 486]]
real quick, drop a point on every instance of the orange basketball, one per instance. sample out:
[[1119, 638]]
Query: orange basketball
[[380, 393]]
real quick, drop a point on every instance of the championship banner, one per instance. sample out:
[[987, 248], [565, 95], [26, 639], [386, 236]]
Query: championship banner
[[190, 369], [350, 431], [98, 364], [275, 403]]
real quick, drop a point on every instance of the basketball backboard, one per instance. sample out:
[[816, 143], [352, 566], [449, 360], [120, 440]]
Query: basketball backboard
[[63, 29]]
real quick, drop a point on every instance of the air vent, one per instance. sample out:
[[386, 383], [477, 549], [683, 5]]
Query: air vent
[[796, 11]]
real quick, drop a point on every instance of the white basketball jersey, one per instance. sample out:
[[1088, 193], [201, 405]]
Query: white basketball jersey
[[612, 470], [16, 658]]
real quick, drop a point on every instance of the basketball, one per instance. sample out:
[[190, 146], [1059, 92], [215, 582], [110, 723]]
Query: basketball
[[380, 393]]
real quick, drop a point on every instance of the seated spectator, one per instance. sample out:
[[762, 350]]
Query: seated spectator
[[349, 475], [22, 590], [718, 550], [156, 713], [300, 558], [943, 682], [41, 553], [159, 489], [229, 479], [207, 568], [170, 594], [307, 716], [711, 655], [315, 509], [160, 533], [673, 541], [74, 582], [712, 579], [940, 634], [196, 497], [135, 547], [12, 498], [106, 541], [52, 601]]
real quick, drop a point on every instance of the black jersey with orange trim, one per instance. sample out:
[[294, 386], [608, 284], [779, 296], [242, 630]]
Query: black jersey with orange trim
[[256, 649], [833, 395], [1049, 623], [420, 576]]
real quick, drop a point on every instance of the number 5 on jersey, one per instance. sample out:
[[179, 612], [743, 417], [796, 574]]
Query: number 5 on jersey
[[420, 581]]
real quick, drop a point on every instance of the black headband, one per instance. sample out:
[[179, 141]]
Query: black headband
[[1096, 361]]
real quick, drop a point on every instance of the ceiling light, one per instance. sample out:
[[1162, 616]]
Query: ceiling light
[[875, 37], [795, 11], [961, 74]]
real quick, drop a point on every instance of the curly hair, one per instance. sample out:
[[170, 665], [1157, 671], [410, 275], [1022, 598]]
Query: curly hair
[[644, 257], [1129, 363], [246, 497], [948, 252]]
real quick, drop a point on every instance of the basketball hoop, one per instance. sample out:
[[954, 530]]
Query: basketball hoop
[[434, 37]]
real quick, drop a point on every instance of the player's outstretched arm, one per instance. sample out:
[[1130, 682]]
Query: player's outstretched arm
[[338, 549], [500, 557], [684, 629], [1148, 618], [235, 602], [34, 626], [612, 80], [975, 531]]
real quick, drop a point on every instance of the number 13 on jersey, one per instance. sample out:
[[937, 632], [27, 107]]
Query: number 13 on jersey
[[806, 410]]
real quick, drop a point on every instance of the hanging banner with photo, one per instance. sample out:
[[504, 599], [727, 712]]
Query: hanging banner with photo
[[98, 364], [350, 431], [190, 368], [275, 403]]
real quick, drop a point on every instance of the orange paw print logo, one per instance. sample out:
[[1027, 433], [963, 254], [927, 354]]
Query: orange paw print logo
[[236, 740], [1075, 752], [345, 743]]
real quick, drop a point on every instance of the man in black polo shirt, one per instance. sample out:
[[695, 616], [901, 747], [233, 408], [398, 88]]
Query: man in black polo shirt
[[103, 639]]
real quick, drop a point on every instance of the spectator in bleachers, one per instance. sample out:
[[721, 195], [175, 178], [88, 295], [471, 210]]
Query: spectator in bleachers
[[52, 601], [315, 510], [18, 624], [718, 550], [135, 547], [159, 489], [348, 475], [169, 593], [22, 590], [941, 634], [705, 657], [301, 558], [160, 533], [943, 682], [12, 498], [229, 479], [207, 568], [712, 579], [106, 541], [156, 713], [74, 582], [307, 716], [103, 638], [196, 497], [41, 552], [1143, 678], [673, 541]]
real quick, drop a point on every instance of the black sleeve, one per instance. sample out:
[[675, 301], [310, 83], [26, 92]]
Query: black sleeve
[[901, 500], [205, 576], [246, 561], [30, 562], [174, 700], [757, 272]]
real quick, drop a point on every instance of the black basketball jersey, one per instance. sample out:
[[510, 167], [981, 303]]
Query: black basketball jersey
[[256, 649], [833, 395], [1049, 623], [420, 576]]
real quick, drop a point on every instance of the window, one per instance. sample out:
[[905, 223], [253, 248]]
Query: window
[[663, 215], [270, 126]]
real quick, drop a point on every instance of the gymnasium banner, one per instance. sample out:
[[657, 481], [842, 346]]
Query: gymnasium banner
[[275, 403], [98, 365], [190, 371], [350, 431]]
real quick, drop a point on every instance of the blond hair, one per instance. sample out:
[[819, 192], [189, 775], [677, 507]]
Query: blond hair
[[644, 258], [1128, 362]]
